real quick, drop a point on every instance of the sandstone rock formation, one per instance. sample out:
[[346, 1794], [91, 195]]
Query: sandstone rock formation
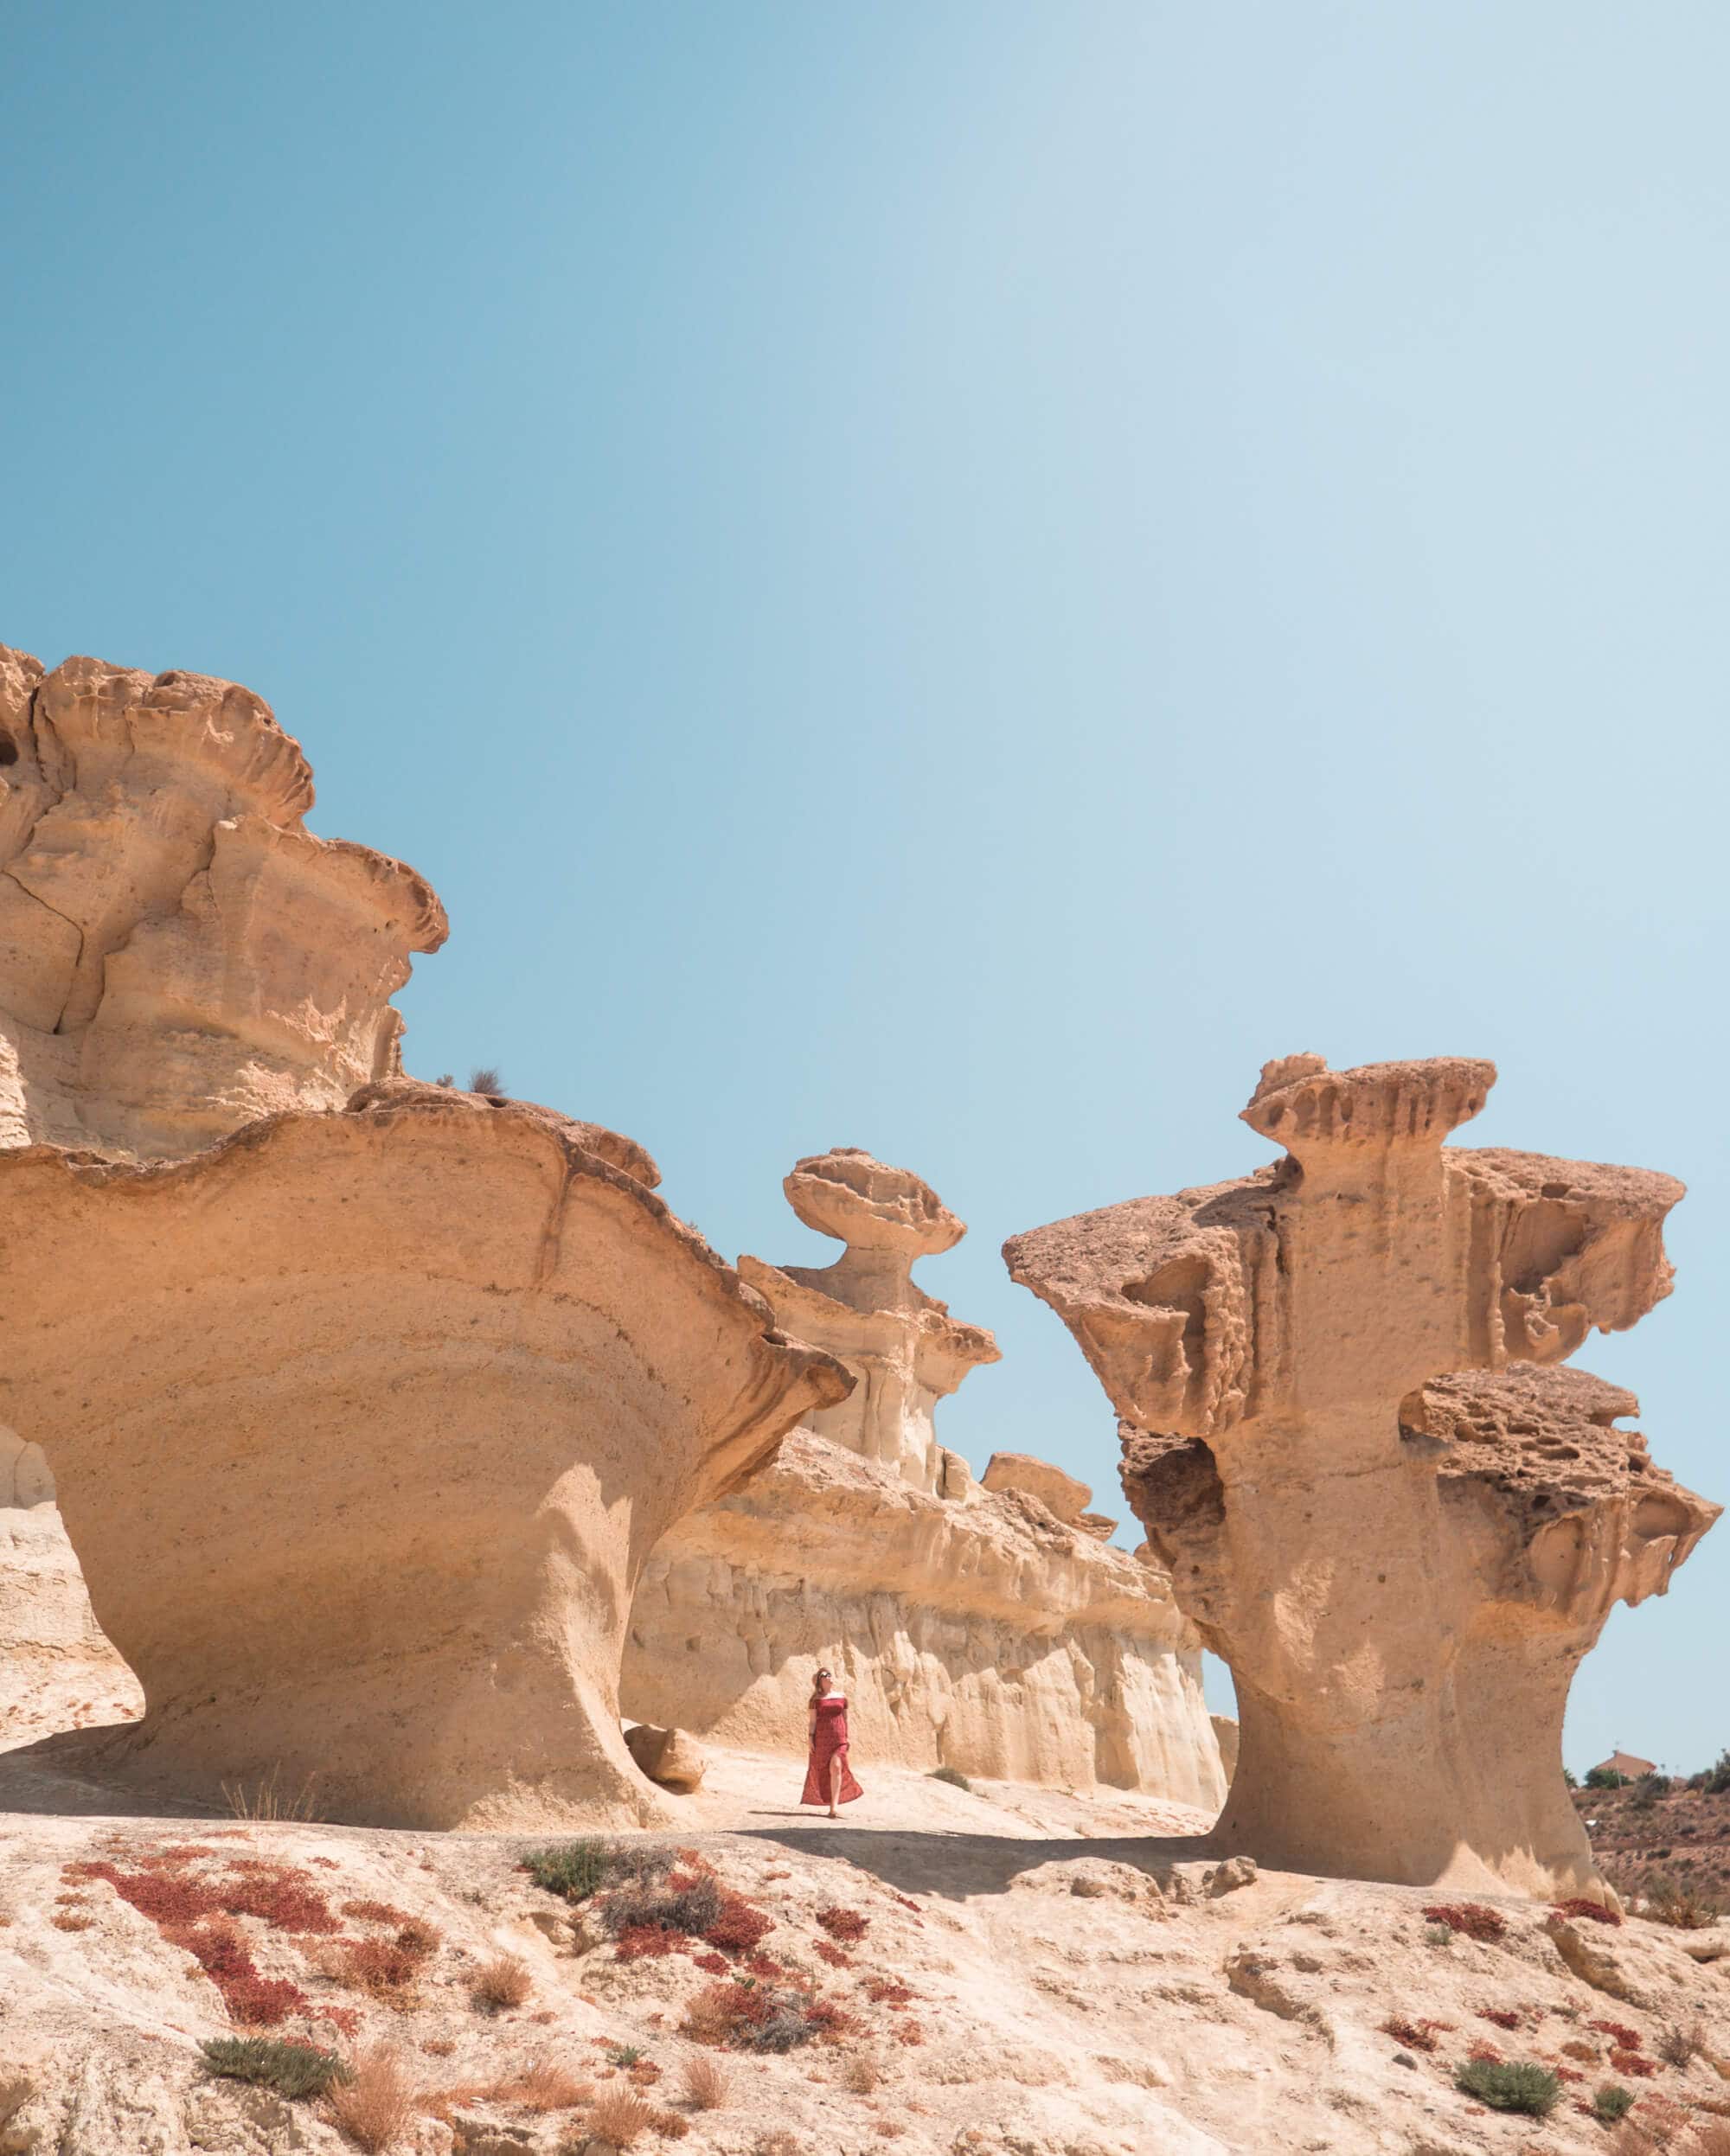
[[866, 1308], [178, 954], [670, 1758], [56, 1669], [986, 1630], [381, 1413], [980, 1634], [1402, 1564]]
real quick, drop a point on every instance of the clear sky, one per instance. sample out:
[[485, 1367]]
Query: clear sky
[[951, 578]]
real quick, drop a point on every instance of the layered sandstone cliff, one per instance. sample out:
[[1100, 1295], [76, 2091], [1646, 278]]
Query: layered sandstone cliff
[[383, 1413], [1402, 1560], [989, 1629], [362, 1421], [178, 953]]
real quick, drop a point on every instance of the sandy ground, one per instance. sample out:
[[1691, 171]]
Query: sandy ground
[[1038, 1974]]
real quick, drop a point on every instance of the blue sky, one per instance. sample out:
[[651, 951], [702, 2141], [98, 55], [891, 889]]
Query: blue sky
[[950, 578]]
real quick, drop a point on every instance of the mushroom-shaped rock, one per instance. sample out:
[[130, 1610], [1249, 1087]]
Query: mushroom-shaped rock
[[671, 1757], [178, 954], [866, 1308], [1402, 1560], [381, 1414]]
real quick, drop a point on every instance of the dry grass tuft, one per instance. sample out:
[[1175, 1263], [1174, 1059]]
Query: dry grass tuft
[[619, 2119], [862, 2074], [543, 2087], [669, 2124], [502, 1983], [376, 2107], [704, 2083], [268, 1800]]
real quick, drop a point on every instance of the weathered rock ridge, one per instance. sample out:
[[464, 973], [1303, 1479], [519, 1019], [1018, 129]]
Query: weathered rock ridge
[[383, 1412], [986, 1630], [1402, 1560], [178, 954], [977, 1632]]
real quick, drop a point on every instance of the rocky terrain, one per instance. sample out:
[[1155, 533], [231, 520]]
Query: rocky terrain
[[999, 1972], [1681, 1834]]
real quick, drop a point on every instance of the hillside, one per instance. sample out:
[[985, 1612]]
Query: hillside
[[1007, 1972]]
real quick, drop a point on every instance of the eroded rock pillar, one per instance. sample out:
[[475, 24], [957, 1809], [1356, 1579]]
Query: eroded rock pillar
[[1401, 1629]]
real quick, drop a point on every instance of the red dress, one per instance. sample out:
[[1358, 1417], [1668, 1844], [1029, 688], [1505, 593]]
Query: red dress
[[830, 1738]]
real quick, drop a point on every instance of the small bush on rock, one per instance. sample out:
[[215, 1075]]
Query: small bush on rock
[[375, 2107], [1509, 2085], [843, 1924], [618, 2119], [573, 1869], [953, 1776], [293, 2070], [501, 1984], [1610, 2103], [1594, 1912], [704, 2083], [1471, 1919]]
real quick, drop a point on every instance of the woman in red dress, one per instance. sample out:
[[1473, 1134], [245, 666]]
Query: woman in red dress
[[828, 1775]]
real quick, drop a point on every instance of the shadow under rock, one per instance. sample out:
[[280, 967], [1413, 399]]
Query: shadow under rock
[[963, 1865], [46, 1782]]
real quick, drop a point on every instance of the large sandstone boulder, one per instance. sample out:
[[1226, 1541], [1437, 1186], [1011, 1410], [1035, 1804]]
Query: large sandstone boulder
[[1402, 1564], [982, 1628], [362, 1425]]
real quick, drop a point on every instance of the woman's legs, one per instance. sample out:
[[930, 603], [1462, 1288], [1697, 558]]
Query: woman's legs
[[835, 1765]]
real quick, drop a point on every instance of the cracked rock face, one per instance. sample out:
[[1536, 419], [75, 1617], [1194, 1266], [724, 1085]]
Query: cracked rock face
[[178, 954], [381, 1413], [1380, 1503]]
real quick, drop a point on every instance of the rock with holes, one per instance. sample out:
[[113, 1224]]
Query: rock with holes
[[985, 1627], [381, 1414], [178, 953], [1378, 1501]]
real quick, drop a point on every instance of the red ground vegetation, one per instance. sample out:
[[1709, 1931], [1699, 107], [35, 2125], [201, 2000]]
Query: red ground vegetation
[[843, 1924], [1471, 1918]]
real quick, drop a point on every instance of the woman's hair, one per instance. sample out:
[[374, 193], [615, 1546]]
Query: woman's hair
[[818, 1682]]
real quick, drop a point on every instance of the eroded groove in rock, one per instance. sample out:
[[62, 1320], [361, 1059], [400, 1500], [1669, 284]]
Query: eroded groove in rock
[[360, 1490], [988, 1628], [1402, 1565]]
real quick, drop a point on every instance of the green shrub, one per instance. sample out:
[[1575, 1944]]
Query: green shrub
[[1606, 1778], [952, 1775], [1612, 2103], [1509, 2086], [574, 1869], [1716, 1779], [293, 2070], [1570, 1777]]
